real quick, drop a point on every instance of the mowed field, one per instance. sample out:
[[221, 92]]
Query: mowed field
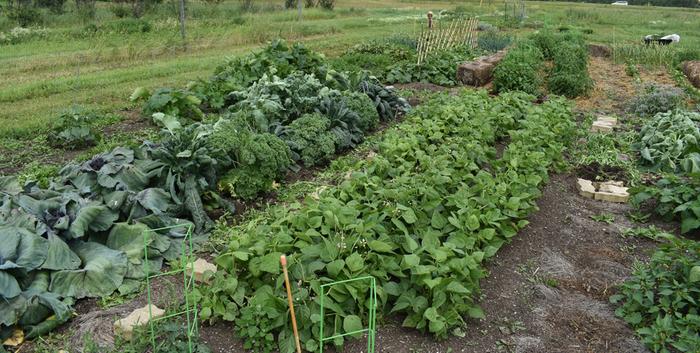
[[42, 77]]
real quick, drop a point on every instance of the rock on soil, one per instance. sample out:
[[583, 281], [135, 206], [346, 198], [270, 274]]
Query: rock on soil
[[599, 50], [139, 317], [691, 69], [479, 72]]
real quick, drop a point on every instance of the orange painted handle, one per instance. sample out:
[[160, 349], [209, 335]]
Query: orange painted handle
[[283, 261]]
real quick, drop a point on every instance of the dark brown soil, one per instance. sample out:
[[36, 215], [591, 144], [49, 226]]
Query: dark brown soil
[[36, 151], [598, 172]]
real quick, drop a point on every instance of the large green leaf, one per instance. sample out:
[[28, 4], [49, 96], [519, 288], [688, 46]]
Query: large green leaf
[[94, 217], [102, 274], [9, 288], [41, 303], [22, 247], [9, 185], [60, 256], [155, 200], [131, 239]]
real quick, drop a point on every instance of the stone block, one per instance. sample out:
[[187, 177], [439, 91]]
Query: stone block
[[586, 188], [608, 119], [691, 69], [612, 191], [599, 50], [200, 268], [474, 73], [125, 327], [602, 126]]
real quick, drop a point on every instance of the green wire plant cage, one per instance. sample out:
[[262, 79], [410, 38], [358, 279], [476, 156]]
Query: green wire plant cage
[[184, 232], [370, 330]]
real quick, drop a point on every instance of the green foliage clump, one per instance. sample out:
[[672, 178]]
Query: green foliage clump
[[73, 130], [675, 197], [520, 70], [310, 139], [671, 142], [277, 59], [178, 103], [326, 4], [439, 68], [259, 160], [656, 99], [660, 300], [24, 15], [569, 76], [361, 104]]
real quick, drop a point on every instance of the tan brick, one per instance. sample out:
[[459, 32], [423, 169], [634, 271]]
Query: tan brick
[[586, 188], [601, 126], [611, 197], [608, 119], [125, 327], [200, 268]]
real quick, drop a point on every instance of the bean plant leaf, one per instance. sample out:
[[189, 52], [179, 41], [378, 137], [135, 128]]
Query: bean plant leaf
[[352, 323], [102, 273]]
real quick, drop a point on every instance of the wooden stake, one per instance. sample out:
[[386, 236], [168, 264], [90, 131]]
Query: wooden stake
[[283, 261]]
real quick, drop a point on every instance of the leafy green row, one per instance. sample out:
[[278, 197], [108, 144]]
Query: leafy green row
[[520, 70], [569, 76], [661, 300], [421, 216]]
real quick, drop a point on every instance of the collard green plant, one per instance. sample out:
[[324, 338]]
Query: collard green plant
[[671, 142], [439, 68], [74, 129], [179, 103], [660, 300], [414, 217]]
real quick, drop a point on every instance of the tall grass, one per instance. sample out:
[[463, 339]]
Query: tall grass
[[647, 55]]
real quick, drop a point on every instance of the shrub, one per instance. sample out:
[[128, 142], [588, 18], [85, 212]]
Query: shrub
[[310, 3], [493, 41], [546, 41], [326, 4], [656, 99], [520, 70], [310, 140], [72, 130], [361, 104], [290, 4], [569, 76], [24, 15], [660, 300], [130, 26], [21, 34], [120, 11], [570, 84], [55, 6]]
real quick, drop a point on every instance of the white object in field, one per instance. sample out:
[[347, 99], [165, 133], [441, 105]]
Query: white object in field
[[620, 3], [673, 37]]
